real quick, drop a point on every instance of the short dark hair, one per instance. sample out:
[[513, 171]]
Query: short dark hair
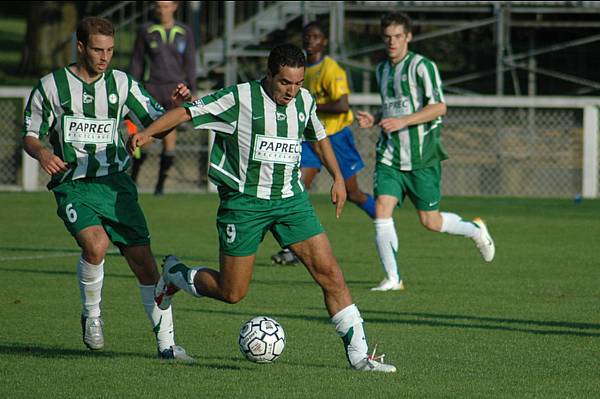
[[317, 25], [285, 55], [396, 18], [94, 26]]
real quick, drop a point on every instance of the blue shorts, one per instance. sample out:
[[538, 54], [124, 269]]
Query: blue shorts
[[344, 149]]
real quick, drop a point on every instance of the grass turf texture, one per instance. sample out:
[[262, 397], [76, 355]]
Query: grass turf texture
[[527, 325]]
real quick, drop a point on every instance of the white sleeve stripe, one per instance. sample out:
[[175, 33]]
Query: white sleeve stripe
[[36, 113], [221, 127], [217, 107]]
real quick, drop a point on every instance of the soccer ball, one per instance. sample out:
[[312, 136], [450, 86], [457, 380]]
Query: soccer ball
[[262, 339]]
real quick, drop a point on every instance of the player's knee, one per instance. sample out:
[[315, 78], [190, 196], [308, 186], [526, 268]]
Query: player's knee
[[95, 252], [233, 297], [431, 224]]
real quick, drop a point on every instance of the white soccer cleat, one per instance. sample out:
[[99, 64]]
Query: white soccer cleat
[[176, 352], [164, 290], [374, 363], [389, 285], [484, 241], [93, 335]]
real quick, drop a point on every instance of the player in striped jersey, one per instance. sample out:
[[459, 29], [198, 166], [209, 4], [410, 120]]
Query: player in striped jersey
[[409, 150], [80, 108], [254, 162], [327, 81]]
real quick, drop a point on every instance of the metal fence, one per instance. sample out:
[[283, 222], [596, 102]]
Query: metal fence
[[505, 146], [498, 146]]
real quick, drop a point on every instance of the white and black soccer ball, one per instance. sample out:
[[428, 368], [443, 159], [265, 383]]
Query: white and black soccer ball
[[262, 339]]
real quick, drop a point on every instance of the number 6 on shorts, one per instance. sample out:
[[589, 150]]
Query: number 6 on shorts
[[71, 214]]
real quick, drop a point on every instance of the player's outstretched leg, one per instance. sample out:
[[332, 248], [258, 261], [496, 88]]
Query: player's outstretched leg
[[175, 276], [484, 241], [475, 229]]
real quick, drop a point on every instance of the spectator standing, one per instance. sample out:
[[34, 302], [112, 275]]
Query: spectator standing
[[163, 56]]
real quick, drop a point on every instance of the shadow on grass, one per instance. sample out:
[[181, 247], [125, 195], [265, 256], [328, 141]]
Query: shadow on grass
[[440, 321], [485, 323], [49, 352]]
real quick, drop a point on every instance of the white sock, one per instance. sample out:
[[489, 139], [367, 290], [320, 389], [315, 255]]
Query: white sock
[[162, 320], [90, 286], [453, 224], [387, 247], [349, 326], [185, 281]]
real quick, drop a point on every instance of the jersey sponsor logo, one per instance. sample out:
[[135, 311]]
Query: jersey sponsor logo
[[88, 130], [87, 98], [276, 150], [396, 106]]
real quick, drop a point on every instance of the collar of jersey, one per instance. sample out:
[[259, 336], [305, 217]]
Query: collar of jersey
[[68, 68], [408, 54], [316, 63]]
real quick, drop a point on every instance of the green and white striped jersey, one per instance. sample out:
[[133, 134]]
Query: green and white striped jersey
[[83, 120], [406, 88], [257, 146]]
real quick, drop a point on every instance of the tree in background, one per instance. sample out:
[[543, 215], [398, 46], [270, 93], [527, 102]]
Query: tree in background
[[50, 25]]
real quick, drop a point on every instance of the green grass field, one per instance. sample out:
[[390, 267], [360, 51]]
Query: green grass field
[[527, 325]]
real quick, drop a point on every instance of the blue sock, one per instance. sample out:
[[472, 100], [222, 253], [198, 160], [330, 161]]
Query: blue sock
[[368, 206]]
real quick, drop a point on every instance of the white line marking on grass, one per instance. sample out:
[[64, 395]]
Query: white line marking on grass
[[49, 255]]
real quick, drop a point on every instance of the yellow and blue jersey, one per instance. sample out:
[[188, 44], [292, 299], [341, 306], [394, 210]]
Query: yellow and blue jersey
[[327, 82]]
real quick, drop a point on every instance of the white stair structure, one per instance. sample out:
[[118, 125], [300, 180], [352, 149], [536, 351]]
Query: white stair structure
[[238, 40]]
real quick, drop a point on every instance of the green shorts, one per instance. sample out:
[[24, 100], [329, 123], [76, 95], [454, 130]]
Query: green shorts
[[108, 201], [243, 221], [421, 185]]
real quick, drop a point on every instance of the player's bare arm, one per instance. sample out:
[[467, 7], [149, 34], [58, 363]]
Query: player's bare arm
[[338, 188], [48, 161], [339, 106], [159, 128], [427, 114]]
